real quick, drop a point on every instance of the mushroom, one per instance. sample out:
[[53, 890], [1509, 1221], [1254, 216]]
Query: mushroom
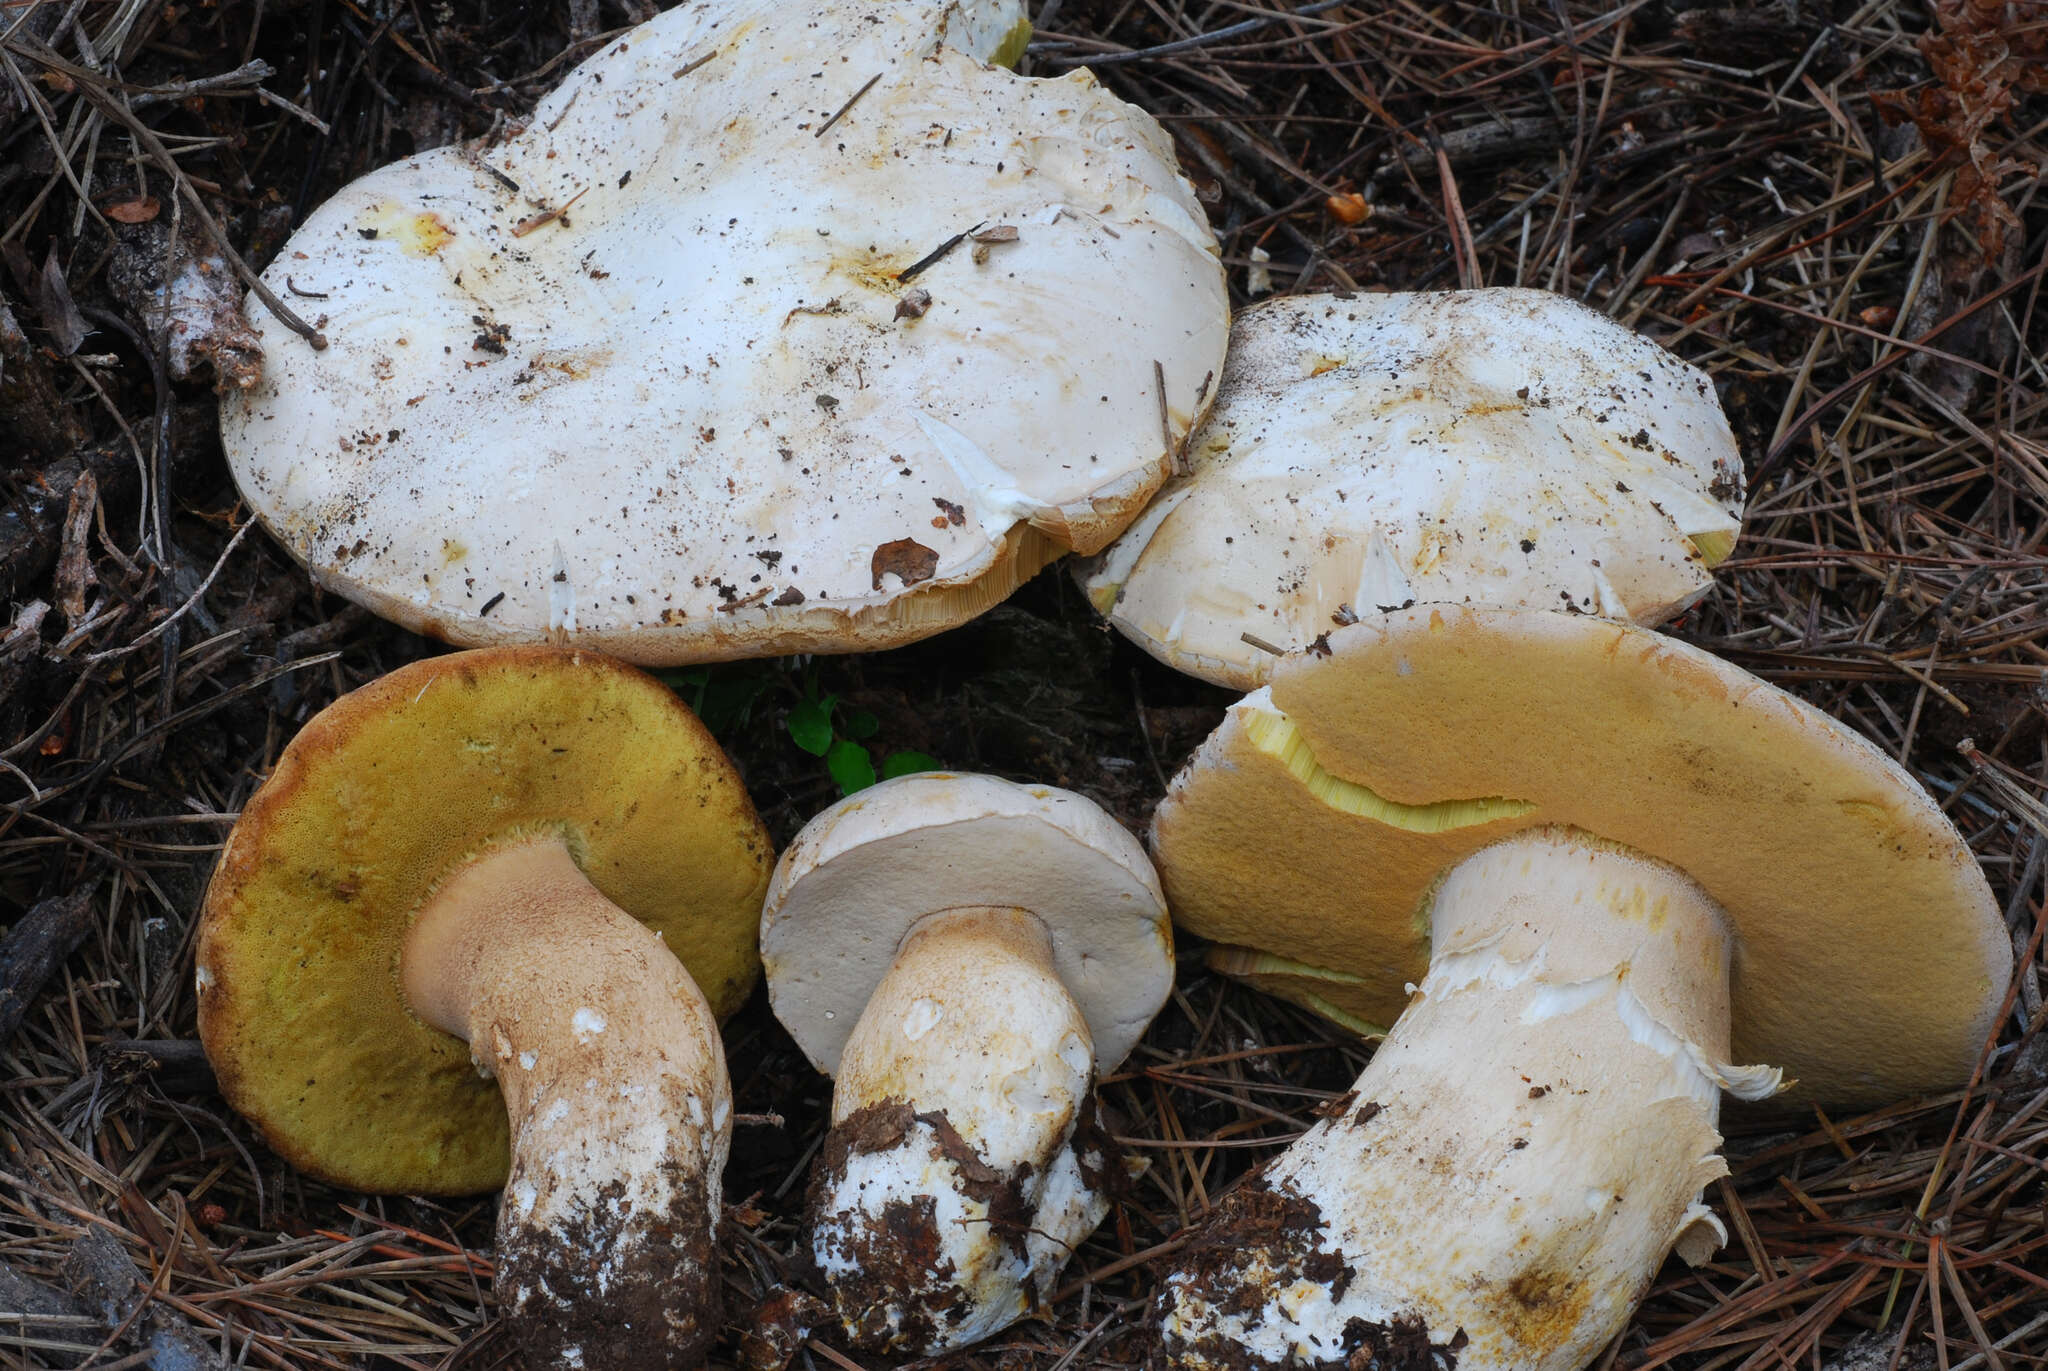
[[519, 864], [1613, 866], [964, 954], [780, 327], [1369, 452]]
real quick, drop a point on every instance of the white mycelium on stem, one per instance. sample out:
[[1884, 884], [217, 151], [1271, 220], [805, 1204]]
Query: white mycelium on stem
[[970, 1039], [615, 1085], [1527, 1144], [964, 954]]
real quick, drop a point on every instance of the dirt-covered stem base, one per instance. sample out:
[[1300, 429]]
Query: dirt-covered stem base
[[621, 1113], [954, 1182], [1523, 1151]]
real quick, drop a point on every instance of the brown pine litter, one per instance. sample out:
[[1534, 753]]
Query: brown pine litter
[[1833, 205]]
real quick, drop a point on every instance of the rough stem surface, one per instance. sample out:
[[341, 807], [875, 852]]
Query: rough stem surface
[[614, 1080], [1522, 1152], [963, 1163]]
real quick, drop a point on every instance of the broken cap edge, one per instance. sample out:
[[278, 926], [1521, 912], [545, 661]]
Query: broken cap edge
[[1867, 973]]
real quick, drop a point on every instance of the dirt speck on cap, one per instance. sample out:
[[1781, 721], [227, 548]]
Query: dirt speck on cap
[[905, 558]]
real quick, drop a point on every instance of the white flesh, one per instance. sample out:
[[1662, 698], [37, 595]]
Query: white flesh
[[615, 1083], [1527, 1145], [973, 1024]]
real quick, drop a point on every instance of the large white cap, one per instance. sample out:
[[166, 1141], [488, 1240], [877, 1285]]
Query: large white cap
[[662, 372], [853, 883], [1496, 447]]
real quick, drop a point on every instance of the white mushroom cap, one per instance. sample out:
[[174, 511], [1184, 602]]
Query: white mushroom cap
[[1503, 447], [853, 883], [657, 373]]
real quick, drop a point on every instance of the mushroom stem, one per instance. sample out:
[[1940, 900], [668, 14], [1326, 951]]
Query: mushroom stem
[[621, 1114], [1523, 1150], [952, 1186]]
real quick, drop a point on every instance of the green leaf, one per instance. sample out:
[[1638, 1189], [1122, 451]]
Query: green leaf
[[682, 679], [810, 724], [903, 763], [851, 766], [861, 724], [725, 702], [723, 696], [688, 685]]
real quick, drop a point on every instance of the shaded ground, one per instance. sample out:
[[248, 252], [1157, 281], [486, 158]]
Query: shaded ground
[[1830, 207]]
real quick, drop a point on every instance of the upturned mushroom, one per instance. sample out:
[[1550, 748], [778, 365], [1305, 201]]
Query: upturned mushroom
[[477, 930], [964, 954], [780, 327], [1369, 452], [1583, 870]]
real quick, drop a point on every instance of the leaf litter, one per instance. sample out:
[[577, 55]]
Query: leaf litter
[[1832, 207]]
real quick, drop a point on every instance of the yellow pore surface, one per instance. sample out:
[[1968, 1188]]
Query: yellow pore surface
[[368, 809], [1869, 953]]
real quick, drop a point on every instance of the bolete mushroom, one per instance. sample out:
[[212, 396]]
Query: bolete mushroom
[[780, 327], [964, 954], [1613, 866], [525, 865], [1369, 452]]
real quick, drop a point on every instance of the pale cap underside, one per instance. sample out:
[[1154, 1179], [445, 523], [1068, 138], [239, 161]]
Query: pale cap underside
[[1501, 447], [1313, 824], [708, 410], [864, 871]]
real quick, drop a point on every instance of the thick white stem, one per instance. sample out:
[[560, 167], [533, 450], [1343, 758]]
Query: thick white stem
[[1524, 1149], [614, 1080], [953, 1187]]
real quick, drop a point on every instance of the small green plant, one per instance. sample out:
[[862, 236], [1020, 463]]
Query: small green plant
[[818, 726], [722, 698]]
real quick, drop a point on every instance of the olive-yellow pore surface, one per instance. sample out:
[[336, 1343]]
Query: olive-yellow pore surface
[[1869, 954], [370, 806]]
